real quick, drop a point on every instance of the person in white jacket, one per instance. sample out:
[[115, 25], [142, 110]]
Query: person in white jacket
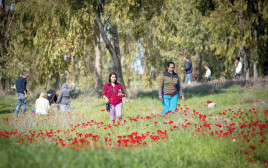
[[208, 73], [238, 67], [42, 104]]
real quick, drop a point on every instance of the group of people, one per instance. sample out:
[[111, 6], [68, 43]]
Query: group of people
[[60, 97], [169, 90], [189, 70], [113, 93]]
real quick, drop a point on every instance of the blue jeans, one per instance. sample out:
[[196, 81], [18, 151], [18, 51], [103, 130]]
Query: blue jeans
[[188, 78], [65, 107], [208, 79], [169, 103], [21, 100]]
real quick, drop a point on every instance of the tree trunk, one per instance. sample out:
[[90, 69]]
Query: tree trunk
[[57, 83], [113, 50], [219, 68], [3, 42], [117, 67], [67, 76], [116, 41], [97, 48], [199, 75], [6, 20], [3, 83], [248, 64], [255, 70], [241, 55]]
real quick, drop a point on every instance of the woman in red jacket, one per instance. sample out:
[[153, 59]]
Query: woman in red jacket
[[113, 93]]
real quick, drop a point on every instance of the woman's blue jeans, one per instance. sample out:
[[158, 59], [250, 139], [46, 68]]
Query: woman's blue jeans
[[169, 103]]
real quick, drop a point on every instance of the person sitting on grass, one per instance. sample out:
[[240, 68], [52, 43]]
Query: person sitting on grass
[[41, 105], [64, 98], [113, 93], [169, 87]]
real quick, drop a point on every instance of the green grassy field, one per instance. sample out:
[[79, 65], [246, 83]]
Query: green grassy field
[[233, 134]]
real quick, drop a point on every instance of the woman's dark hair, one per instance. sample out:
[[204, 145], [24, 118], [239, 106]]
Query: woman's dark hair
[[110, 75], [170, 64], [238, 58]]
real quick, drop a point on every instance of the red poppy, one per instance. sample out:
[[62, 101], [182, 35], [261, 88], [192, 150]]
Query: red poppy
[[253, 147], [246, 153]]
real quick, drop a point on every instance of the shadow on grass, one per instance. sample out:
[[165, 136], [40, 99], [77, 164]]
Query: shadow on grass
[[92, 92], [8, 105], [215, 87], [204, 89], [7, 108], [147, 94]]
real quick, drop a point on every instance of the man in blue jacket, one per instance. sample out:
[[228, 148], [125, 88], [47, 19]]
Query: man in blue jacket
[[188, 69], [21, 92]]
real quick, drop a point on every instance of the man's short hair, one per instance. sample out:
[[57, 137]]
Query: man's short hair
[[206, 65], [24, 73], [186, 57], [237, 58]]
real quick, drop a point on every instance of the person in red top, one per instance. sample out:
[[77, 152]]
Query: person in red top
[[113, 93]]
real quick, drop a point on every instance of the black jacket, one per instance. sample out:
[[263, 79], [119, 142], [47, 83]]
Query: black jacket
[[51, 96], [21, 85]]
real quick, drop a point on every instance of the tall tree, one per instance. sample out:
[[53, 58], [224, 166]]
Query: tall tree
[[7, 20], [98, 63]]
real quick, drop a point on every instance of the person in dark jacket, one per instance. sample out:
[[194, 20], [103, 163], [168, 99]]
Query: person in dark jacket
[[52, 95], [188, 69], [22, 96], [169, 89], [65, 97]]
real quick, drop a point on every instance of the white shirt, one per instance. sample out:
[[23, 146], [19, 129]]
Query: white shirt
[[42, 106], [208, 73], [238, 68]]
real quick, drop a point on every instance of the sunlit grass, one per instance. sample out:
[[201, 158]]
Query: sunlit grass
[[181, 146]]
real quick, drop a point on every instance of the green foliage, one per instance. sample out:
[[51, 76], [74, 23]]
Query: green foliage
[[45, 32]]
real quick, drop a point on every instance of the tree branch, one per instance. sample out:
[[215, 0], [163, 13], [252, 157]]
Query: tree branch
[[103, 34]]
